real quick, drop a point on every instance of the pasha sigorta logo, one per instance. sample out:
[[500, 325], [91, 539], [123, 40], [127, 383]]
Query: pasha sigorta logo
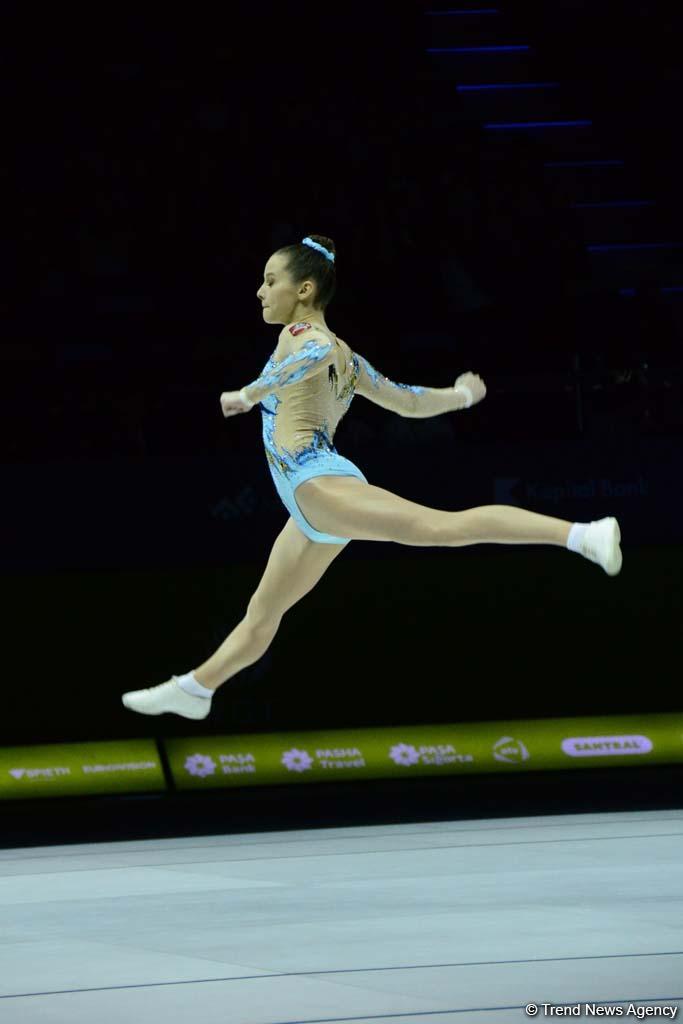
[[404, 753]]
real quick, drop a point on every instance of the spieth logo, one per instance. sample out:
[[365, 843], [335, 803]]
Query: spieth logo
[[297, 760], [510, 750], [606, 746], [199, 764], [32, 773], [404, 754]]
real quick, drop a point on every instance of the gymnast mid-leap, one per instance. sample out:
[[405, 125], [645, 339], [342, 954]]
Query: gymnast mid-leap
[[304, 390]]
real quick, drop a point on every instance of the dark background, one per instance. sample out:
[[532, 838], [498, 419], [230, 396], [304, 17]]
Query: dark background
[[153, 161]]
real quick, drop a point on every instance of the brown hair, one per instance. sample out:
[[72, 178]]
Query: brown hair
[[305, 262]]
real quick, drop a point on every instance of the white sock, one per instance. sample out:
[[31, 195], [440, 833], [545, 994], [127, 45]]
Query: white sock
[[576, 536], [190, 685]]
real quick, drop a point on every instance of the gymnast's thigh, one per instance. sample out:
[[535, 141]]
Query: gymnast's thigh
[[295, 565], [349, 507]]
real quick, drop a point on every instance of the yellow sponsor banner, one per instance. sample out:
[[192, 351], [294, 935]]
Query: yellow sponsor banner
[[71, 769], [558, 744]]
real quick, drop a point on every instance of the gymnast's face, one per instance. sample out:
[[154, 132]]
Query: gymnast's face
[[283, 302]]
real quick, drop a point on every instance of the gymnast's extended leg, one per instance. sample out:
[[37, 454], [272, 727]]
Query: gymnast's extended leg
[[295, 565], [348, 507]]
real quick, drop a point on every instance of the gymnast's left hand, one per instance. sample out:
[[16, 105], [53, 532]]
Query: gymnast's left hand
[[232, 403]]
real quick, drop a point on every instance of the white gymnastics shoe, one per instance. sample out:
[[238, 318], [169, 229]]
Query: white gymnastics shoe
[[600, 543], [168, 696]]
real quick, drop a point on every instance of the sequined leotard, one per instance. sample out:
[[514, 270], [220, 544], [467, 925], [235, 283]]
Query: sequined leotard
[[303, 398]]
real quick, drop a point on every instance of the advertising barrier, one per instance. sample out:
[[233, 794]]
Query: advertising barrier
[[410, 751], [75, 769], [205, 762]]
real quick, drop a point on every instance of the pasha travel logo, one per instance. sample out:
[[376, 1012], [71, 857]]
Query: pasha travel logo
[[297, 760], [328, 758], [606, 746]]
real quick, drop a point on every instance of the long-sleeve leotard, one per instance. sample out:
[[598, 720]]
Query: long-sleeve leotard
[[311, 389], [304, 396]]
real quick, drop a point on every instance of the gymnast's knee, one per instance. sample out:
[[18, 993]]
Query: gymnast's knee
[[262, 618]]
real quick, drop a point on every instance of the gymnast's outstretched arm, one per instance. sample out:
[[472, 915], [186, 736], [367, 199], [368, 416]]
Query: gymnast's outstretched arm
[[412, 400], [310, 354]]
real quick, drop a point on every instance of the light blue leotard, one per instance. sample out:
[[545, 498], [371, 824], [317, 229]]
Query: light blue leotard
[[290, 466], [304, 396]]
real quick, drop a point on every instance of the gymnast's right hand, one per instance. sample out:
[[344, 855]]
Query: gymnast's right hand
[[232, 403], [476, 385]]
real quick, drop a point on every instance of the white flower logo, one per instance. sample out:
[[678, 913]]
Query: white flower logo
[[404, 753], [296, 760], [199, 764]]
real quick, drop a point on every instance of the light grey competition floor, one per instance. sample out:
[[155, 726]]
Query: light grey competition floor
[[421, 923]]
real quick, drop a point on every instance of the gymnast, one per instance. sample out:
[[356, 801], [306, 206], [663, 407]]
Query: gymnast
[[304, 390]]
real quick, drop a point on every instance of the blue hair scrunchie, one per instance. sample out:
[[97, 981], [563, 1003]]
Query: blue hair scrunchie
[[319, 247]]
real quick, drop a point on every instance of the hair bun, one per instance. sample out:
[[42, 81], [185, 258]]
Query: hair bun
[[324, 245], [327, 242]]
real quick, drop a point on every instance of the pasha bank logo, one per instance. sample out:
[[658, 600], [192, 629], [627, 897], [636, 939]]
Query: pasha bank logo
[[606, 746], [200, 764]]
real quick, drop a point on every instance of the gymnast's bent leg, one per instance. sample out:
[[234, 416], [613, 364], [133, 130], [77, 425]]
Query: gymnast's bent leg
[[295, 565], [348, 507]]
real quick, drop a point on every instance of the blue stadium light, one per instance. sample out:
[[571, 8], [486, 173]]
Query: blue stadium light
[[614, 203], [539, 124], [484, 10], [476, 49], [634, 245], [508, 85], [663, 291], [584, 163]]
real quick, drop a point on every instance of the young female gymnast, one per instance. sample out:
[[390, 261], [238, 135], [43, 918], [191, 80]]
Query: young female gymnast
[[304, 390]]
